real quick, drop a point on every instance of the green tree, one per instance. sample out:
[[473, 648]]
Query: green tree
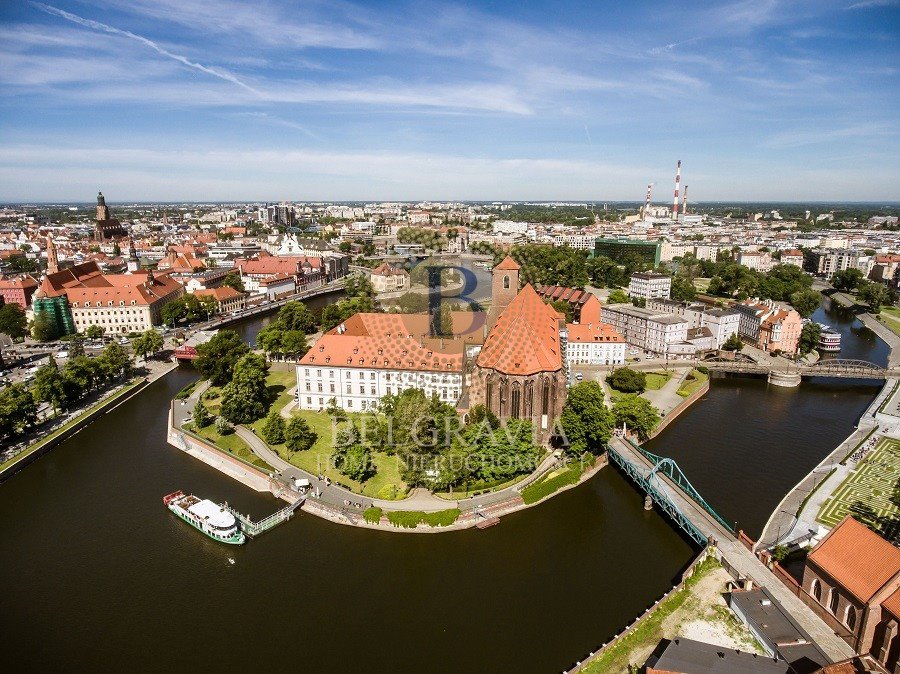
[[809, 337], [298, 436], [296, 315], [847, 279], [875, 295], [637, 414], [618, 296], [43, 329], [80, 375], [147, 343], [733, 343], [115, 362], [244, 397], [683, 289], [48, 386], [13, 321], [76, 347], [202, 416], [233, 280], [18, 410], [273, 429], [94, 332], [217, 357], [805, 302], [627, 380], [586, 420], [223, 426]]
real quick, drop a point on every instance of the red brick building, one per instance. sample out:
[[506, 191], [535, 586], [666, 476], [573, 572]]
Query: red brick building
[[18, 290]]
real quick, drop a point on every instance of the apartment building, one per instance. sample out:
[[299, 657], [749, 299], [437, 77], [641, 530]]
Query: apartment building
[[644, 328], [650, 285]]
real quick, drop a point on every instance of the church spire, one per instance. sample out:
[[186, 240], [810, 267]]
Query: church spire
[[52, 257]]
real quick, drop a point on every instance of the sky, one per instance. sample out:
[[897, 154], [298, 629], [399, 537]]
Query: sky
[[166, 100]]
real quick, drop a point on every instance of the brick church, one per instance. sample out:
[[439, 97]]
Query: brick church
[[519, 372]]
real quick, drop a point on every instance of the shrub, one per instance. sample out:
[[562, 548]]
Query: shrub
[[412, 518], [372, 515], [544, 487], [702, 369], [442, 518], [626, 380], [187, 390], [223, 426]]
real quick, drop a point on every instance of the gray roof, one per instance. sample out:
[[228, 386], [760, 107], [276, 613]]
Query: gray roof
[[776, 629], [690, 657]]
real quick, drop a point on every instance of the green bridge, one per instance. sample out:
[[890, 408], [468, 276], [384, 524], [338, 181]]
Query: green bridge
[[658, 479]]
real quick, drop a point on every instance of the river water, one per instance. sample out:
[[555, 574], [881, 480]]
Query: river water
[[745, 444], [100, 575]]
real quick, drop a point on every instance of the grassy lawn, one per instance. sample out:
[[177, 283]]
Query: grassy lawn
[[701, 284], [385, 484], [890, 317], [551, 482], [656, 380], [231, 444], [40, 443], [692, 382]]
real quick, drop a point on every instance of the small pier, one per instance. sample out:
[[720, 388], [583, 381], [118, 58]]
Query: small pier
[[253, 529]]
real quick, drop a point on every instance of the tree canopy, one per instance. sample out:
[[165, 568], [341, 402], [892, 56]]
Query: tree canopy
[[586, 420], [627, 380], [637, 414], [217, 357], [13, 321]]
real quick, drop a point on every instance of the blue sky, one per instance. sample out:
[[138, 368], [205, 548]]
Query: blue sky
[[191, 100]]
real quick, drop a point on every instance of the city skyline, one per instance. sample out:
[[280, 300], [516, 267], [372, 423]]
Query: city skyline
[[177, 101]]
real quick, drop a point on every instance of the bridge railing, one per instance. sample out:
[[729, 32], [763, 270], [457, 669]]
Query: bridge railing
[[671, 470]]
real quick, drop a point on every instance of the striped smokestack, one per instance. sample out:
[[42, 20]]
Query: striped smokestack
[[684, 202], [647, 200], [677, 185]]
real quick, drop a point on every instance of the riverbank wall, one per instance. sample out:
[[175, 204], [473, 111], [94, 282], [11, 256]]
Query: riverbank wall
[[29, 456], [639, 620], [679, 408]]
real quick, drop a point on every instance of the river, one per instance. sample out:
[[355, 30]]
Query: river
[[99, 575], [746, 443]]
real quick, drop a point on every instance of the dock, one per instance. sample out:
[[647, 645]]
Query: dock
[[486, 522], [253, 529]]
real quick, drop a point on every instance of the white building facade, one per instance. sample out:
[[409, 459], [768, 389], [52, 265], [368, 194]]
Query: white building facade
[[649, 285]]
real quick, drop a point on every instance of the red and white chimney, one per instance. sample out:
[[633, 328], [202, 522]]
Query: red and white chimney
[[677, 185], [647, 200], [684, 202]]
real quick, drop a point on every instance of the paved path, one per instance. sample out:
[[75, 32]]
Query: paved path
[[746, 564], [666, 398], [419, 499]]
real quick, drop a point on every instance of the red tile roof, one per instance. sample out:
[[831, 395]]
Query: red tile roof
[[525, 339], [396, 342], [857, 558], [508, 264], [598, 332]]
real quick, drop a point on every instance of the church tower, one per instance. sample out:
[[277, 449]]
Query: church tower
[[504, 288], [102, 209], [52, 257], [133, 262]]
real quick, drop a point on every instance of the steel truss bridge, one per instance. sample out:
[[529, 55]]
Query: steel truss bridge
[[838, 367], [657, 476]]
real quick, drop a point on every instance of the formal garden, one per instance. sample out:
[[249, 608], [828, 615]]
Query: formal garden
[[869, 492]]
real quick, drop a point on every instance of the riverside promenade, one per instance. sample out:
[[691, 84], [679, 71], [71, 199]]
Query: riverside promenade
[[795, 517], [338, 504]]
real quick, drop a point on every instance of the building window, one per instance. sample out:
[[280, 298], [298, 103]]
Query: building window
[[817, 590], [506, 282], [833, 603], [850, 621]]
